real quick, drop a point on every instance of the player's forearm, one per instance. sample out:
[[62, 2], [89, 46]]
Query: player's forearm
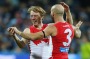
[[31, 36], [18, 41], [69, 17], [25, 35], [77, 33]]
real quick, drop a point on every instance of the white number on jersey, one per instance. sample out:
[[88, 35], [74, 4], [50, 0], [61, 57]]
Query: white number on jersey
[[68, 37]]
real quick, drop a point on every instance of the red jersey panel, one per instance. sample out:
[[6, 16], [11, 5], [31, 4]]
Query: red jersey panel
[[61, 42], [34, 30]]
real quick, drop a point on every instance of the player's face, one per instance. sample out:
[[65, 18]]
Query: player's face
[[35, 18]]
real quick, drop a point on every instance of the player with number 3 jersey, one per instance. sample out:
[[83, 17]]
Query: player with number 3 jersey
[[62, 40]]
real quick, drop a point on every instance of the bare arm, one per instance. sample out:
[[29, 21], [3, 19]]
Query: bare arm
[[20, 42], [68, 13], [34, 36], [77, 31], [69, 17]]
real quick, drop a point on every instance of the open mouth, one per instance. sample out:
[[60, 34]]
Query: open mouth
[[35, 21]]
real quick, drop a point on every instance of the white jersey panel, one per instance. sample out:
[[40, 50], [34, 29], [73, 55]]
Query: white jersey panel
[[36, 50], [47, 49]]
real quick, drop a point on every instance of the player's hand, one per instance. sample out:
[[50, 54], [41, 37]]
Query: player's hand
[[79, 24], [13, 30], [66, 7]]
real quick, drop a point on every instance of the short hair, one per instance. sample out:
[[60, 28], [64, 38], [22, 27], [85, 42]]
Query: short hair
[[37, 9], [58, 9]]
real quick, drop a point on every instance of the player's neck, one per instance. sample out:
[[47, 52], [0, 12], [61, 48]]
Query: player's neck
[[39, 26], [59, 19]]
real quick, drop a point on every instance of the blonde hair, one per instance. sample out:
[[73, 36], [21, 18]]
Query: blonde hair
[[37, 9]]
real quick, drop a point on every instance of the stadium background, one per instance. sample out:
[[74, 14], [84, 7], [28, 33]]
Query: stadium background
[[14, 13]]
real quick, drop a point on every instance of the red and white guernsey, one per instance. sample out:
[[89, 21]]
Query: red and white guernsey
[[61, 42], [38, 48]]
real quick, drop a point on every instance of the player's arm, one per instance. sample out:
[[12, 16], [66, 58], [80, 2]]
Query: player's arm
[[77, 31], [34, 36], [31, 36], [68, 13], [49, 30], [69, 17], [20, 42]]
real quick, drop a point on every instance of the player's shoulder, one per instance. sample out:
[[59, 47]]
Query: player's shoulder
[[26, 30], [68, 23], [50, 24]]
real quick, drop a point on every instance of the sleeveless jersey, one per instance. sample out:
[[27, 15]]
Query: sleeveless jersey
[[61, 42], [38, 47]]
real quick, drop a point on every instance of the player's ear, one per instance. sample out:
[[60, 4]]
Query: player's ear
[[53, 14]]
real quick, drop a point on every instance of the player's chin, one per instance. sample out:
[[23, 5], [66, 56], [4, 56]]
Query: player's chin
[[35, 24]]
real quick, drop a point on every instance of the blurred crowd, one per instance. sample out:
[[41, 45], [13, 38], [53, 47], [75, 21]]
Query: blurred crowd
[[14, 13]]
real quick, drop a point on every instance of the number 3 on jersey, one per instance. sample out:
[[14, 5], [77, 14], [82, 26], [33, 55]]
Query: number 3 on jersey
[[68, 37]]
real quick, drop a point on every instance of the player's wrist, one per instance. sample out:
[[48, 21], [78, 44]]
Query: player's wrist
[[67, 11], [19, 32]]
